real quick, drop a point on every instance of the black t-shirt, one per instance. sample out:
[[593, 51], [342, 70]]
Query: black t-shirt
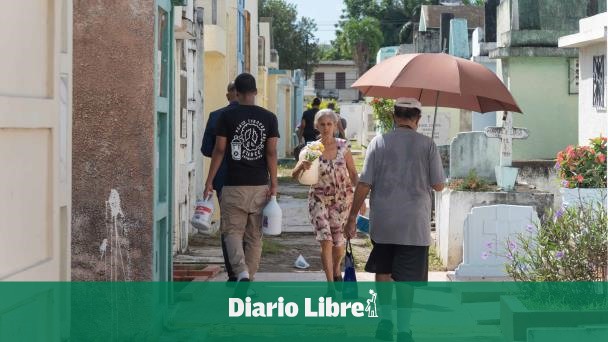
[[309, 122], [247, 129]]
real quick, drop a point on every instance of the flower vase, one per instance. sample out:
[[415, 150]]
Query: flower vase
[[310, 176], [581, 196]]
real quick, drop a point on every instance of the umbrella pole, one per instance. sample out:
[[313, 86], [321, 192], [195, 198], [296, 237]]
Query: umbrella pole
[[435, 116]]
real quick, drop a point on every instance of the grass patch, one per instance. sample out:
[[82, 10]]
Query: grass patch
[[284, 168], [435, 264], [271, 247], [358, 158]]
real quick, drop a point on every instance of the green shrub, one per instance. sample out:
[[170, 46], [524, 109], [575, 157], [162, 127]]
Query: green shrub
[[572, 245]]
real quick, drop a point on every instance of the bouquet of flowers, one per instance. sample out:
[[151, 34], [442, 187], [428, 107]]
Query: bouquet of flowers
[[583, 166], [311, 153]]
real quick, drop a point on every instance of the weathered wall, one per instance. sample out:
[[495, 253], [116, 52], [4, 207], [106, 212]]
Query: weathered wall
[[113, 139], [542, 175]]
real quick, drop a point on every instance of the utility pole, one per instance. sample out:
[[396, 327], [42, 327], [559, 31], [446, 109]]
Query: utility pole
[[306, 58]]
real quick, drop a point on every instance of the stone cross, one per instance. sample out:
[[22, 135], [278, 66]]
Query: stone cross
[[506, 134]]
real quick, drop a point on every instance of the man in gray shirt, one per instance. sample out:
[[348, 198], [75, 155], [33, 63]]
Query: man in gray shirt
[[401, 169]]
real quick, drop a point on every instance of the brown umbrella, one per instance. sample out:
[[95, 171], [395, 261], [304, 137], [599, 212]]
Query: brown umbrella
[[440, 80]]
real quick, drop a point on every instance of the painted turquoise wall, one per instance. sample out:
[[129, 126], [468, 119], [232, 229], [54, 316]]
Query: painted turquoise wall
[[540, 87]]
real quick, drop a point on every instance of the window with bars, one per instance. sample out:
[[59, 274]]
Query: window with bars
[[340, 80], [319, 80]]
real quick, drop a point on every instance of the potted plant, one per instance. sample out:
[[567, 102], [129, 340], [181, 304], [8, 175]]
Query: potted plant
[[383, 113], [561, 269], [582, 171]]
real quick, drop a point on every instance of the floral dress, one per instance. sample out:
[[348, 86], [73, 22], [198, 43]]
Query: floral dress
[[329, 200]]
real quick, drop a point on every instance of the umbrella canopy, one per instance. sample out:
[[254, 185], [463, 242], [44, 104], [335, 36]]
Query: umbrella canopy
[[438, 79]]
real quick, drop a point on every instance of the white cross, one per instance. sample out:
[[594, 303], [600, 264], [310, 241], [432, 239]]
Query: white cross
[[506, 134]]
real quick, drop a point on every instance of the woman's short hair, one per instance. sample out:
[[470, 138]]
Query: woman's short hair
[[325, 113]]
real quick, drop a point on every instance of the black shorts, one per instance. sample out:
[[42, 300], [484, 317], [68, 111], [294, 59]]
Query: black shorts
[[403, 263]]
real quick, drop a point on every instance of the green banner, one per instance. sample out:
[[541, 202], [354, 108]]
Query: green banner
[[302, 311]]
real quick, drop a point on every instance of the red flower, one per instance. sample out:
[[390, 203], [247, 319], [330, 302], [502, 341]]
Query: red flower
[[601, 158], [580, 178]]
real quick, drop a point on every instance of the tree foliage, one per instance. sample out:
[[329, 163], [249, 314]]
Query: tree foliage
[[292, 38], [396, 18], [362, 38]]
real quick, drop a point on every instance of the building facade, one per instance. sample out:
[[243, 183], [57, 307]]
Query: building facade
[[538, 73], [592, 84], [333, 79]]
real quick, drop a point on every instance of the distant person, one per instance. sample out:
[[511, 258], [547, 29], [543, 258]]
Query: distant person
[[341, 127], [208, 144], [402, 168], [307, 131], [249, 134], [330, 199]]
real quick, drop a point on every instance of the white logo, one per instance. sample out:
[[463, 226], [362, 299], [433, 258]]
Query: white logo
[[371, 305], [321, 307], [248, 141]]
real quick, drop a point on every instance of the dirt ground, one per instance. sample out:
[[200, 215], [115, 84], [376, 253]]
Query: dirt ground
[[279, 253]]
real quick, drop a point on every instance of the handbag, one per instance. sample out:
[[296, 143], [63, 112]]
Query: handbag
[[350, 289]]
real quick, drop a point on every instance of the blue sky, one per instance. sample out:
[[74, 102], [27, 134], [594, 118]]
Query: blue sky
[[326, 13]]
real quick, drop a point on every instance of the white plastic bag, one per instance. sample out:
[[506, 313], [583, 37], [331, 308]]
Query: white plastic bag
[[201, 220], [301, 262]]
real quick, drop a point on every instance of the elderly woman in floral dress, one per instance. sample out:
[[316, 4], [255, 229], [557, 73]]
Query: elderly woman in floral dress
[[329, 200]]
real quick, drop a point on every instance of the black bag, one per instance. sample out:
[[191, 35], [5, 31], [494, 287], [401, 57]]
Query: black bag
[[349, 288]]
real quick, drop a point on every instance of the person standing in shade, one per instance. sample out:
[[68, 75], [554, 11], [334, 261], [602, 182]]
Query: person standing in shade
[[401, 169], [249, 135], [207, 146], [307, 131]]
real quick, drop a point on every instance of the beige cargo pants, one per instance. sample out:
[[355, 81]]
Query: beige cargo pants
[[241, 225]]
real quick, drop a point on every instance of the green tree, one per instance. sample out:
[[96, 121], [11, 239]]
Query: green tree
[[292, 38], [362, 38]]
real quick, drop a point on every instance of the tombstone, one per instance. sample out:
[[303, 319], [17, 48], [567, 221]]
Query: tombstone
[[490, 20], [459, 38], [477, 41], [442, 126], [474, 151], [444, 29], [505, 174], [486, 231]]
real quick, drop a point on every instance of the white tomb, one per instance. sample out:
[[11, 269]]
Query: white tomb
[[486, 232]]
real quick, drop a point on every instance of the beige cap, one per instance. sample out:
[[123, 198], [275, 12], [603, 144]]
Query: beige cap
[[408, 102]]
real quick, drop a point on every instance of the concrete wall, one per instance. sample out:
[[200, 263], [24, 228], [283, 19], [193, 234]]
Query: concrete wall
[[593, 122], [113, 135], [540, 87], [452, 207], [542, 175]]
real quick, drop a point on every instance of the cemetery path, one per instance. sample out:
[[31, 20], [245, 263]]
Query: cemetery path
[[279, 253]]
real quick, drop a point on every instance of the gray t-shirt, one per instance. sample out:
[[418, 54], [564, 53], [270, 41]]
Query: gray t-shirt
[[401, 166]]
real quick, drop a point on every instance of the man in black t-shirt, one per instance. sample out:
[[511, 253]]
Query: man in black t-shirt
[[307, 125], [249, 135]]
